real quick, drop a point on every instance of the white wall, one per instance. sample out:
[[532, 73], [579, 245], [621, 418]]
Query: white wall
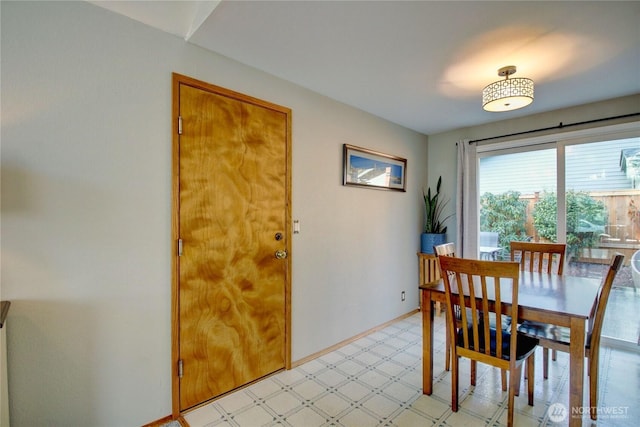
[[442, 147], [86, 208]]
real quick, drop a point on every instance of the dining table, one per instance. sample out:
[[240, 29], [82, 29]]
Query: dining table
[[560, 300]]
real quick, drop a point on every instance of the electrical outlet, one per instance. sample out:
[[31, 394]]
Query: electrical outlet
[[402, 295]]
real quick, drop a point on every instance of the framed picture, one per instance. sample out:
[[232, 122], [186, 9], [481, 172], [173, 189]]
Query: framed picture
[[371, 169]]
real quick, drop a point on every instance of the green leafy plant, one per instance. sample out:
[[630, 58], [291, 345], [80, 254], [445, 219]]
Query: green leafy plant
[[586, 217], [505, 214], [433, 208]]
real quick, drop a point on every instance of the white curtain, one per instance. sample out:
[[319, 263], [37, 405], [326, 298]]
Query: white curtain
[[467, 201]]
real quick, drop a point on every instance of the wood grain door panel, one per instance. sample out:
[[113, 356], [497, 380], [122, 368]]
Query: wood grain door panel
[[233, 198]]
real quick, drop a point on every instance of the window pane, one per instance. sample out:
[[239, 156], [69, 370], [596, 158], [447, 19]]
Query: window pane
[[511, 187]]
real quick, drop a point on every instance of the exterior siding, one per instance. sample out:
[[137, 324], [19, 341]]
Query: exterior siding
[[590, 167]]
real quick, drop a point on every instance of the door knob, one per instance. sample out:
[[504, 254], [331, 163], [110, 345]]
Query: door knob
[[281, 254]]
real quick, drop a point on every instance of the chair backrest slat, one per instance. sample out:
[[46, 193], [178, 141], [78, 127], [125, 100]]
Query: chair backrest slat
[[462, 303], [539, 257], [474, 312], [498, 311], [485, 316]]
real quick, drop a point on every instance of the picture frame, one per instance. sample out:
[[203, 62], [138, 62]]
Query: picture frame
[[372, 169]]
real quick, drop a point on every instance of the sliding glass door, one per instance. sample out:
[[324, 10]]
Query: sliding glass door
[[585, 193]]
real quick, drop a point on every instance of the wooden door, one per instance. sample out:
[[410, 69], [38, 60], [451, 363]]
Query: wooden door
[[231, 220]]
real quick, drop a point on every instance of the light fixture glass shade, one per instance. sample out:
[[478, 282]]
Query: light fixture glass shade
[[508, 94]]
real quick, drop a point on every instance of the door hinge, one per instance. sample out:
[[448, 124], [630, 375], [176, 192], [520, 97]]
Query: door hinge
[[179, 125], [179, 247], [180, 369]]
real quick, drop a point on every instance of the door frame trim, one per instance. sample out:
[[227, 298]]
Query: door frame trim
[[177, 80]]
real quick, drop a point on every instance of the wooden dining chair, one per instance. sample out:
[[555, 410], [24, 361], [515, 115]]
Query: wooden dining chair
[[448, 249], [558, 338], [540, 258], [480, 287]]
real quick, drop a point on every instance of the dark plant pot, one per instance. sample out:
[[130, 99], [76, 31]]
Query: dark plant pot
[[428, 241]]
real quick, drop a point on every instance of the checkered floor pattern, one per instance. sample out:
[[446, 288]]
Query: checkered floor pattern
[[377, 381]]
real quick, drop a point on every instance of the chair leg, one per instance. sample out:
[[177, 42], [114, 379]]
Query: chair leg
[[447, 362], [518, 381], [554, 354], [454, 383], [473, 372], [531, 369], [513, 378], [503, 377], [593, 387], [545, 363]]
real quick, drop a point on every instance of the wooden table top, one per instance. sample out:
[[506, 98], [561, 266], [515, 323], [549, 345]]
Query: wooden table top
[[567, 295]]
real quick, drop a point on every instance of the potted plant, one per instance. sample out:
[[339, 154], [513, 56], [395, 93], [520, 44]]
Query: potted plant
[[435, 232]]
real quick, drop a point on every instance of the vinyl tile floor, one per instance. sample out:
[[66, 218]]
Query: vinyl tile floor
[[377, 381]]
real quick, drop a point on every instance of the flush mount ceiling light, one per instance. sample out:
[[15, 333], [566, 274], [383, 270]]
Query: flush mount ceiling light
[[508, 94]]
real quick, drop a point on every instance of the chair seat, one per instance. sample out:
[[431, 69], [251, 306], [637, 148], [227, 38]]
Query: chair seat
[[544, 331], [524, 346]]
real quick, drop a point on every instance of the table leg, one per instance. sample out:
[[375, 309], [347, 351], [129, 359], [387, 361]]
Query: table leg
[[427, 342], [576, 371]]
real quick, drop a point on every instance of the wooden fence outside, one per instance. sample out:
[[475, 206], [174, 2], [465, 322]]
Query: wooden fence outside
[[623, 208], [621, 233]]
